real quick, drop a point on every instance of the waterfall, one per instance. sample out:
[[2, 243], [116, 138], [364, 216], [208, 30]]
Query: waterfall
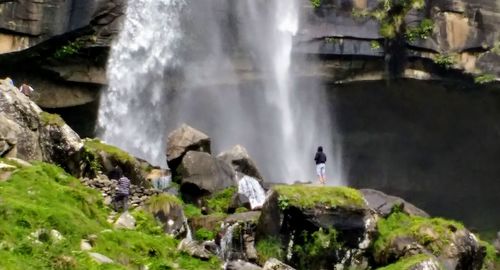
[[226, 243], [251, 188], [161, 183], [130, 113], [222, 66]]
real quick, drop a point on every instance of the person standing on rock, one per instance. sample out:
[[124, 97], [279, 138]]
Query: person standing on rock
[[120, 200], [320, 159]]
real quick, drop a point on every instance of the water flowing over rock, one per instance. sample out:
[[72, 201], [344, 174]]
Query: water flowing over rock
[[252, 189], [241, 161], [131, 108], [226, 243]]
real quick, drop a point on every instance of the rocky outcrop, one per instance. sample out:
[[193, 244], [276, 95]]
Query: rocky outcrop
[[241, 161], [29, 133], [384, 204], [463, 32], [182, 140]]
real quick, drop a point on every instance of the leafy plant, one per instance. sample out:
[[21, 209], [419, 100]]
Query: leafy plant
[[269, 248], [318, 249], [190, 211], [203, 234], [71, 48], [422, 31], [283, 202], [316, 3], [220, 201], [444, 60], [484, 78], [374, 44]]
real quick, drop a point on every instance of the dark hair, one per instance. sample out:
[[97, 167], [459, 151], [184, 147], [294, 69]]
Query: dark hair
[[116, 173], [320, 148]]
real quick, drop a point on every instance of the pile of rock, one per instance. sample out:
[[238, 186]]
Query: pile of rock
[[138, 194], [198, 171]]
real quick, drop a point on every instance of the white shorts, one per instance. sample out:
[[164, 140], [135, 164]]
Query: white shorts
[[320, 169]]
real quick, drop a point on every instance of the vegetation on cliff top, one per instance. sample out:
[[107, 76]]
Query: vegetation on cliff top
[[309, 196], [38, 199]]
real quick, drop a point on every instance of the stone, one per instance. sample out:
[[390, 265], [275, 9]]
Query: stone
[[85, 245], [205, 172], [182, 140], [241, 265], [194, 249], [125, 221], [241, 161], [383, 203], [275, 264], [6, 171], [99, 258], [56, 236], [169, 213]]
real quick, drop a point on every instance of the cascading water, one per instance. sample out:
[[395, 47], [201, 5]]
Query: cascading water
[[235, 83], [130, 113], [251, 188]]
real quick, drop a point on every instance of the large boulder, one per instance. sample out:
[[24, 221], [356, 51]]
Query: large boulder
[[241, 161], [383, 204], [183, 140], [29, 133], [302, 213], [202, 174]]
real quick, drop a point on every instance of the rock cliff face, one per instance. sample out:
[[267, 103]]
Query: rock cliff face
[[439, 35]]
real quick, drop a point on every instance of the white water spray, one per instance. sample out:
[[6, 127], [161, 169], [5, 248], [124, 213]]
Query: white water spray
[[142, 54], [164, 71]]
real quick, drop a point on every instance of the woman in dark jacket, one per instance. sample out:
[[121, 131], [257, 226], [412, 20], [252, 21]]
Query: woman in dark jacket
[[320, 159]]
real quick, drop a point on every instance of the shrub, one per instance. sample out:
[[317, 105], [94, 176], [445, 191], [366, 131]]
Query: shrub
[[269, 248]]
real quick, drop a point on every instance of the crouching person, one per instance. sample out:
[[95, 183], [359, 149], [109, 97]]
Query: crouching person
[[120, 201]]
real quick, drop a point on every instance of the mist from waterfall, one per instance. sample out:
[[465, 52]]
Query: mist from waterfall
[[224, 67]]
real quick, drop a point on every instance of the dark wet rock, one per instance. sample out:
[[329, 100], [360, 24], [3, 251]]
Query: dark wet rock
[[496, 243], [202, 174], [241, 161], [183, 140], [383, 204]]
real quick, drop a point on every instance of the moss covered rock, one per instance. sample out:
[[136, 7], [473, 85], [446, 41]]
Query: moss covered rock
[[316, 219], [97, 156], [400, 236]]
